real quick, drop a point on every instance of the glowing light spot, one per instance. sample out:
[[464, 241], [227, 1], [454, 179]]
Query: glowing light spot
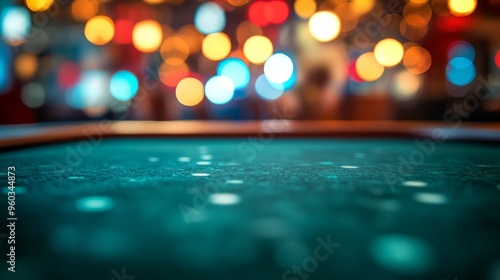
[[224, 199], [462, 49], [15, 23], [234, 182], [305, 8], [363, 6], [278, 68], [38, 5], [219, 89], [216, 46], [417, 60], [236, 70], [99, 30], [94, 204], [462, 7], [91, 91], [389, 52], [258, 49], [192, 37], [124, 85], [189, 91], [170, 75], [416, 184], [268, 90], [153, 159], [460, 71], [368, 68], [349, 167], [206, 157], [203, 163], [497, 59], [83, 10], [324, 26], [147, 36], [237, 3], [263, 13], [431, 198], [25, 66], [402, 254], [405, 85], [200, 174], [174, 50], [209, 18], [184, 159], [348, 15], [33, 95]]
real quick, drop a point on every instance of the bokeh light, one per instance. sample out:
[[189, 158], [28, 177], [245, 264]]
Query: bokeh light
[[219, 89], [324, 26], [25, 66], [237, 3], [263, 13], [497, 59], [278, 68], [5, 68], [363, 6], [368, 68], [83, 10], [258, 49], [348, 15], [68, 75], [16, 25], [33, 95], [99, 30], [147, 36], [209, 18], [236, 70], [389, 52], [91, 91], [124, 85], [174, 50], [268, 90], [417, 60], [462, 7], [461, 49], [192, 37], [189, 91], [460, 71], [123, 31], [305, 8], [405, 85], [170, 75], [38, 5], [245, 30], [216, 46]]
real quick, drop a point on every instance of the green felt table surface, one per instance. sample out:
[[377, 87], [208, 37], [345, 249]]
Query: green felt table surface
[[255, 208]]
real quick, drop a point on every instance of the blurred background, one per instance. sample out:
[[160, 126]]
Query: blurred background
[[75, 60]]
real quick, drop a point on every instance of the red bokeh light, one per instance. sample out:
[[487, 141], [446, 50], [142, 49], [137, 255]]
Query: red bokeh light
[[262, 13], [68, 75], [123, 31], [497, 59]]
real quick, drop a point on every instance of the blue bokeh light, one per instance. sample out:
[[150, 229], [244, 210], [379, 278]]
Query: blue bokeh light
[[460, 71], [15, 24], [209, 18], [91, 91], [268, 90], [236, 70], [278, 68], [124, 85], [219, 89], [5, 66]]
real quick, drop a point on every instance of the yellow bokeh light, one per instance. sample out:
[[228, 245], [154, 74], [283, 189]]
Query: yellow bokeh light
[[189, 91], [174, 49], [99, 30], [417, 60], [154, 2], [216, 46], [348, 15], [462, 7], [406, 85], [147, 36], [83, 10], [305, 8], [368, 68], [324, 26], [389, 52], [363, 6], [25, 66], [258, 49], [39, 5]]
